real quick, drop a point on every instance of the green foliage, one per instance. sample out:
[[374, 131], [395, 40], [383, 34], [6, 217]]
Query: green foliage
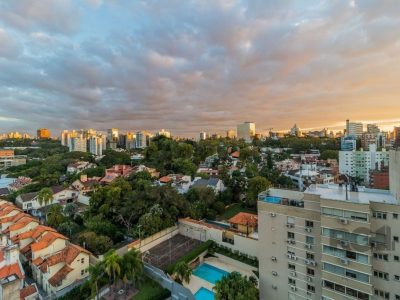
[[184, 166], [97, 244], [101, 226], [188, 257], [69, 229], [45, 196], [236, 255], [235, 287], [54, 216], [151, 290], [329, 154], [112, 157], [201, 199], [256, 186], [183, 272]]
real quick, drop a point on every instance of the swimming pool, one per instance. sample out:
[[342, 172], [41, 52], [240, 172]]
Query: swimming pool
[[204, 294], [209, 273]]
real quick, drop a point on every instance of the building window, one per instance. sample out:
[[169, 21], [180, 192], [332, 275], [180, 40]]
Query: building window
[[311, 288], [82, 260], [310, 256], [310, 272], [292, 267], [310, 240], [292, 281], [395, 216], [379, 215], [397, 297], [396, 258], [290, 235], [397, 277], [381, 275], [309, 223], [396, 238], [381, 256], [82, 272], [382, 294]]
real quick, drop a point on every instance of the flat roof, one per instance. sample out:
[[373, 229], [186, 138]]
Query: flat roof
[[363, 196]]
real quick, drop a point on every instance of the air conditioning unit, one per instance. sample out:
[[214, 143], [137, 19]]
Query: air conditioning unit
[[309, 279], [291, 241], [344, 243], [274, 273], [308, 229], [374, 244], [310, 262], [344, 221], [294, 257], [289, 255], [272, 214], [313, 263], [308, 246], [344, 261], [289, 225], [274, 287], [273, 258], [293, 288], [293, 273]]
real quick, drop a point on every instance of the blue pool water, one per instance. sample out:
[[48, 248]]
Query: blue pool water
[[226, 226], [204, 294], [272, 199], [209, 273]]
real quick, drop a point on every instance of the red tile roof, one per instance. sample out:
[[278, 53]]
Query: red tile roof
[[243, 218], [9, 270], [165, 179], [60, 275], [67, 255], [27, 291], [34, 233], [21, 224], [47, 240], [235, 154]]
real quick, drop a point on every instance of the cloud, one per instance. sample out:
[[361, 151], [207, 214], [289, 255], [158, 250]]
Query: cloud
[[197, 65]]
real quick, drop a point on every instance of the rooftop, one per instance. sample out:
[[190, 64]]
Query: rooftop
[[363, 196]]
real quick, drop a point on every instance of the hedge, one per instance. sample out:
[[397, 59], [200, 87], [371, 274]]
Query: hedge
[[242, 257], [191, 255]]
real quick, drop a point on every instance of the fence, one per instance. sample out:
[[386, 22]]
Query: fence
[[154, 240]]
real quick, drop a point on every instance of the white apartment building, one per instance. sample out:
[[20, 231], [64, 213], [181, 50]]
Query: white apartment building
[[326, 243], [359, 163], [77, 143], [84, 141], [354, 128], [246, 131], [97, 144]]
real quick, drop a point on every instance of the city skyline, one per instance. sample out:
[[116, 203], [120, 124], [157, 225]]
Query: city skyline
[[102, 64]]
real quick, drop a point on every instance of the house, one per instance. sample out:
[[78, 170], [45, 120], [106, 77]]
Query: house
[[245, 223], [119, 170], [4, 192], [85, 185], [29, 292], [142, 168], [180, 182], [62, 268], [12, 274], [19, 183], [208, 171], [79, 166], [215, 183], [235, 154], [29, 202]]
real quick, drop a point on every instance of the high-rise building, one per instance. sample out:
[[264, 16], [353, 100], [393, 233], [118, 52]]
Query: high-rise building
[[231, 134], [77, 142], [96, 144], [84, 141], [329, 243], [43, 133], [396, 133], [112, 135], [354, 128], [373, 129], [246, 131], [203, 136], [295, 131], [348, 143], [358, 164], [142, 139], [368, 139]]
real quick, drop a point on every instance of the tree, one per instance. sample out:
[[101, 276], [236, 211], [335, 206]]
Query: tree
[[256, 186], [329, 154], [183, 272], [235, 287], [112, 265], [54, 216], [132, 266], [98, 244], [45, 196], [96, 273], [70, 210]]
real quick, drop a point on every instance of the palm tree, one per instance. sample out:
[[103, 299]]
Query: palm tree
[[235, 286], [54, 216], [45, 196], [132, 266], [112, 265], [96, 273], [183, 272]]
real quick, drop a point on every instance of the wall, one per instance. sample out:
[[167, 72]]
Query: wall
[[200, 232], [394, 173], [154, 239]]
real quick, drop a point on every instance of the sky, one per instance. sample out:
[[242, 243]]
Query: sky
[[190, 66]]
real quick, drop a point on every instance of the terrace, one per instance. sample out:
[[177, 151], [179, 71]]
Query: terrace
[[266, 197]]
